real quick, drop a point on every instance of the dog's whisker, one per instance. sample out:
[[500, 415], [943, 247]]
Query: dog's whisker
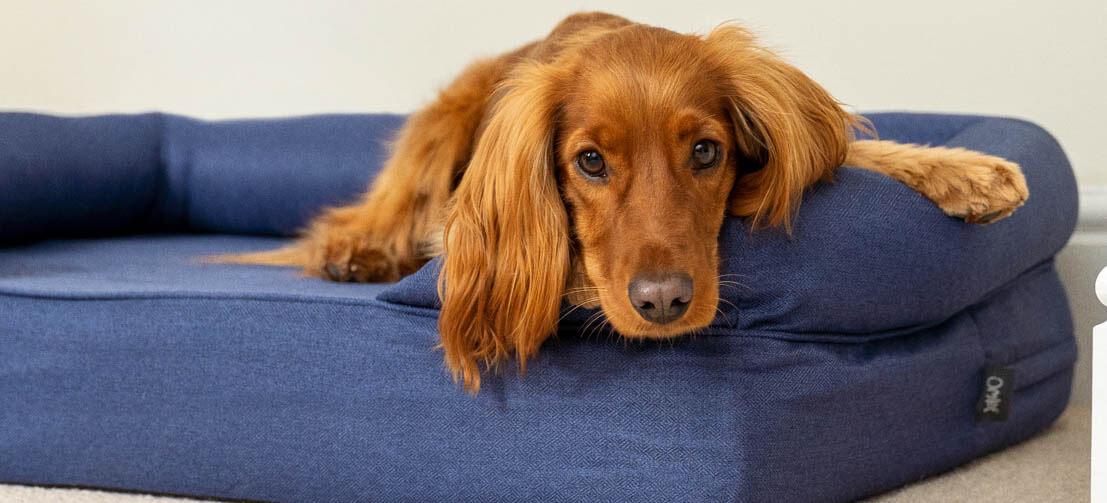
[[583, 289], [591, 319], [568, 312], [729, 303], [732, 283], [594, 330], [724, 315], [575, 307], [604, 321]]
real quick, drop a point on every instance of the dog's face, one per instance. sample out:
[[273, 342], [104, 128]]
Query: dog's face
[[605, 172], [646, 159]]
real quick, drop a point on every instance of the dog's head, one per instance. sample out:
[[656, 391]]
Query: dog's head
[[606, 174]]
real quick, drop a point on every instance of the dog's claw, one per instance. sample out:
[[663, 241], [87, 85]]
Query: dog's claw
[[983, 219], [334, 272], [987, 219]]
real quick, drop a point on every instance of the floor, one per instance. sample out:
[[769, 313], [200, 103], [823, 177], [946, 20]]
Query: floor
[[1054, 466]]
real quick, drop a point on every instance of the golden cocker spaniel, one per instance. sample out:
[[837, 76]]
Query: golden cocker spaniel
[[597, 164]]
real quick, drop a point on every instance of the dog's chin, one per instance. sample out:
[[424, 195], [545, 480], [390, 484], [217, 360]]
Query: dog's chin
[[654, 331], [632, 326]]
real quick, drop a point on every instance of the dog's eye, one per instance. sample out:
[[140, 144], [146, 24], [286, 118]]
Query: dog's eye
[[591, 163], [704, 154]]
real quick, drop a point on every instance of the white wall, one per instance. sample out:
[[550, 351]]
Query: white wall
[[1042, 60]]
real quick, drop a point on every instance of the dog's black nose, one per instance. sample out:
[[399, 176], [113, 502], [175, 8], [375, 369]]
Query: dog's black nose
[[661, 297]]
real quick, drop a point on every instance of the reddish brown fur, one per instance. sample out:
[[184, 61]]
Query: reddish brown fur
[[523, 227]]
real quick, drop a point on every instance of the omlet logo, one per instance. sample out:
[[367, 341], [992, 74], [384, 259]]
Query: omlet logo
[[996, 393], [991, 395]]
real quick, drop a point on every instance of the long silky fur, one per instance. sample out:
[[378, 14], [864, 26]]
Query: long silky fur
[[785, 121], [506, 240]]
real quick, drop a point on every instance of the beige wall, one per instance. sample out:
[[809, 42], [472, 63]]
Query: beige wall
[[1041, 60]]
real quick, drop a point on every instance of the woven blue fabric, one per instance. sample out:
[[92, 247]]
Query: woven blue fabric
[[849, 364], [113, 174]]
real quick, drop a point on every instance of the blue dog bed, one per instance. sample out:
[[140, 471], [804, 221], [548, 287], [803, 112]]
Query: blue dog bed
[[855, 357]]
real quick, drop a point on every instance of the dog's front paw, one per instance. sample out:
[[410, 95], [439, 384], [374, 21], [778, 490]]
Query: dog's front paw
[[979, 188]]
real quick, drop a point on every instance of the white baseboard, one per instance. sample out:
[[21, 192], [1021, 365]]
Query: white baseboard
[[1093, 210]]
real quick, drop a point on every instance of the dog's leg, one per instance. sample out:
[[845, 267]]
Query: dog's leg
[[977, 187], [396, 226]]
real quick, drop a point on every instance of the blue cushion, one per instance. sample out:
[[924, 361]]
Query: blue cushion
[[156, 172], [850, 363]]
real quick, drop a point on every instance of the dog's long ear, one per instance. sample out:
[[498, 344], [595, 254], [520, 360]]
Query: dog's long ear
[[506, 240], [785, 124]]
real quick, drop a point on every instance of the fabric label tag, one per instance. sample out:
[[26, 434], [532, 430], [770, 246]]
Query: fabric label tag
[[995, 395]]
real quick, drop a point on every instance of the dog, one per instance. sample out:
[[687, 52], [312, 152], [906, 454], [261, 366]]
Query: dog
[[597, 165]]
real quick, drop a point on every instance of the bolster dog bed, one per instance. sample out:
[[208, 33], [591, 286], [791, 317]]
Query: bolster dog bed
[[880, 343]]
